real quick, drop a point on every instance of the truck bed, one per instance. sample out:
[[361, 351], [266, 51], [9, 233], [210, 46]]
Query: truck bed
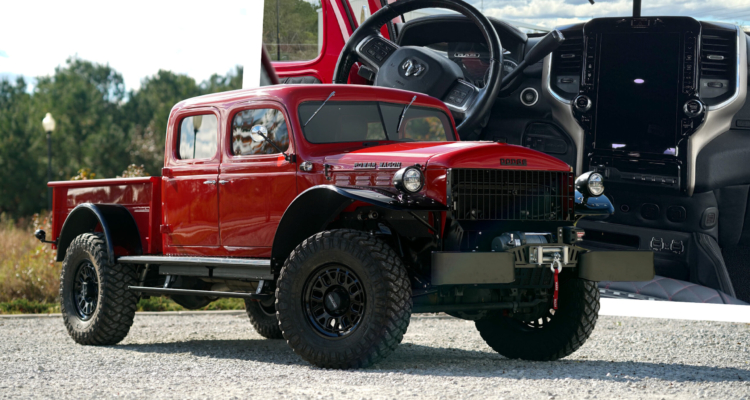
[[141, 196]]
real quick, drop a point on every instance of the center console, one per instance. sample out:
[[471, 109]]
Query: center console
[[638, 100]]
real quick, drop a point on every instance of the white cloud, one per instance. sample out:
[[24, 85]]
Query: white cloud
[[136, 38], [552, 13]]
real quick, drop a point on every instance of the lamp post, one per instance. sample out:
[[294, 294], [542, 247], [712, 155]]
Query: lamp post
[[49, 125]]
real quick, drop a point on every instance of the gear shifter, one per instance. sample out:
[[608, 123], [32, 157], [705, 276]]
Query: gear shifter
[[549, 43]]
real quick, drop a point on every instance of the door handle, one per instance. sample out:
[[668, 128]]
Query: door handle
[[209, 182], [223, 182]]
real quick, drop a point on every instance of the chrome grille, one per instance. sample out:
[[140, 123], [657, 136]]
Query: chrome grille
[[487, 195]]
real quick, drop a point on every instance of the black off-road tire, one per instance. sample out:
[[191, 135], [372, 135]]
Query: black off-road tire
[[113, 315], [386, 288], [558, 335], [263, 318]]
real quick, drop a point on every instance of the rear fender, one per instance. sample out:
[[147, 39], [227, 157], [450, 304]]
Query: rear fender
[[118, 226]]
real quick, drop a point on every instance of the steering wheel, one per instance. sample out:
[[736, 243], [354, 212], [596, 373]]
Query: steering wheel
[[422, 70]]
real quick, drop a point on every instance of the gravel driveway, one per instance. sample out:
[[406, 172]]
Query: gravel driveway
[[220, 356]]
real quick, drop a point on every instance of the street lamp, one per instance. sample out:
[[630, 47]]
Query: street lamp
[[49, 125]]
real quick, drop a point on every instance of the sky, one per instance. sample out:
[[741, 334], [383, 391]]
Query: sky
[[198, 38], [136, 38], [551, 13]]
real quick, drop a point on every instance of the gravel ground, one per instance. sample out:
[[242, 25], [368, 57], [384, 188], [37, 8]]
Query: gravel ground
[[220, 356]]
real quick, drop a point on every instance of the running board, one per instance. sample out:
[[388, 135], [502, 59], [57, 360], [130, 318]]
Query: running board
[[206, 293], [209, 267]]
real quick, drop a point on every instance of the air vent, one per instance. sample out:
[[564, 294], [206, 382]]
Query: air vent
[[717, 55], [567, 62], [567, 58], [718, 65]]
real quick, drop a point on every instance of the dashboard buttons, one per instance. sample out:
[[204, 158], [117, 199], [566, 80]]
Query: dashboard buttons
[[677, 246], [650, 211], [582, 103], [529, 97], [693, 108], [710, 218], [657, 243], [676, 214]]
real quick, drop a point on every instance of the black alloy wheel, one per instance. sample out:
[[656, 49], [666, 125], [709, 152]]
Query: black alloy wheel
[[343, 299], [335, 300], [262, 316], [555, 334], [96, 304], [86, 290]]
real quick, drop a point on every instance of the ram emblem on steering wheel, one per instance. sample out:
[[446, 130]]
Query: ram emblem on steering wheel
[[412, 68]]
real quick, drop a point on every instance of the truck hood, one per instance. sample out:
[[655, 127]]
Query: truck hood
[[477, 155]]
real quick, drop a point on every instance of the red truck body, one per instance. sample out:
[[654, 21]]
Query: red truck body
[[178, 214]]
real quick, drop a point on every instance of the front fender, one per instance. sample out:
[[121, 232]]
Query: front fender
[[318, 206]]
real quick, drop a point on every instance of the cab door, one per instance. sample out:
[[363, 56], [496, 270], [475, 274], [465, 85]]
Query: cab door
[[189, 184], [256, 182]]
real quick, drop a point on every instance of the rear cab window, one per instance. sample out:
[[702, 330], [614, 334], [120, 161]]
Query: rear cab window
[[197, 137], [337, 122]]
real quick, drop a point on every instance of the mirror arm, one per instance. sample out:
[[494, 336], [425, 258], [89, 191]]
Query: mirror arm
[[287, 157]]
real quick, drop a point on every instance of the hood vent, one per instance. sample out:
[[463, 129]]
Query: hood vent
[[567, 63], [717, 65]]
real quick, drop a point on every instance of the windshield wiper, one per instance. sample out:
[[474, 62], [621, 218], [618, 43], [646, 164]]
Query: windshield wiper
[[321, 106], [403, 112]]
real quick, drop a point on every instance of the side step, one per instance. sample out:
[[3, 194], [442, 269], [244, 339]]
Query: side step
[[206, 293], [210, 267]]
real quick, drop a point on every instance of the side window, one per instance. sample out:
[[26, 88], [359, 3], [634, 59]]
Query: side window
[[244, 143], [291, 34], [198, 137]]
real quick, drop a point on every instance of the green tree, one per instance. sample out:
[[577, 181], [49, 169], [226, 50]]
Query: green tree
[[84, 98], [298, 29], [22, 152], [100, 129]]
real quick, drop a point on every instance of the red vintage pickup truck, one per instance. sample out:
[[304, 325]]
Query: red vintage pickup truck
[[337, 211]]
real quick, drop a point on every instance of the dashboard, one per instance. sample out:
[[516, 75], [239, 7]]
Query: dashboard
[[473, 59], [657, 105], [637, 98]]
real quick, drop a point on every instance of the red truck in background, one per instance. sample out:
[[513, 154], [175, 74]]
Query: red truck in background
[[337, 211]]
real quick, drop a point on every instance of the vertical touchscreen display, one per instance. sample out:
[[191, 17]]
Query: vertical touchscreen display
[[639, 81]]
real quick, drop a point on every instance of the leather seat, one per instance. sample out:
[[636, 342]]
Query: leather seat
[[662, 288]]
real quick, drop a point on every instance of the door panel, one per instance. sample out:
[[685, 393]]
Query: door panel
[[191, 214], [253, 199]]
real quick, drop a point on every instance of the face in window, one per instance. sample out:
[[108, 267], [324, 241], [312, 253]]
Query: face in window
[[198, 137], [244, 143]]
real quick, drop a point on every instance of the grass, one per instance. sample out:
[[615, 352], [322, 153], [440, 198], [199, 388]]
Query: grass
[[30, 278]]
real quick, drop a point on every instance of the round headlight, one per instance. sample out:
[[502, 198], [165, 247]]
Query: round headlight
[[409, 179], [590, 184], [596, 184]]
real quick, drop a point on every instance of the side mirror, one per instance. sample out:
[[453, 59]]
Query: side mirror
[[259, 132], [42, 236]]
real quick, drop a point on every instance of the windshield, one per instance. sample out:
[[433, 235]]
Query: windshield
[[360, 121], [539, 16]]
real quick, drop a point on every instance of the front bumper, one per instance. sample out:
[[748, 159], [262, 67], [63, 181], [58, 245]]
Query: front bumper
[[482, 268]]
